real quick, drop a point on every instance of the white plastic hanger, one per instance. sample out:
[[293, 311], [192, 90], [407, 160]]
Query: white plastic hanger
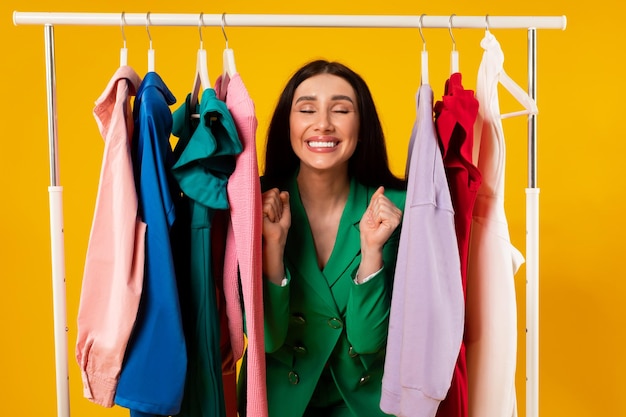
[[150, 50], [228, 57], [201, 79], [454, 55], [424, 57], [123, 50], [529, 104], [228, 63]]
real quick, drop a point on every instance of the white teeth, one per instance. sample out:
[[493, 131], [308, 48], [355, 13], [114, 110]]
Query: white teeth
[[322, 144]]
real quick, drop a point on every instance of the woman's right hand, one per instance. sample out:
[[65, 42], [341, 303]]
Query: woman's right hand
[[276, 223]]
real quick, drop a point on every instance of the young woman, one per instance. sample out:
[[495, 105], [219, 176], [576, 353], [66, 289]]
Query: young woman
[[331, 210]]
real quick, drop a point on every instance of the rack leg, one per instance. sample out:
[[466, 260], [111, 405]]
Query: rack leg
[[56, 237], [532, 244]]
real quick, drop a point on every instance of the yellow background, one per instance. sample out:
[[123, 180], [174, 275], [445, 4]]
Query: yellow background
[[581, 144]]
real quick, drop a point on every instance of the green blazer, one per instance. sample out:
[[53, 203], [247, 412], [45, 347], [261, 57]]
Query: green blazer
[[322, 318]]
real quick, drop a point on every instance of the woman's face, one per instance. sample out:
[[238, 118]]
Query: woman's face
[[324, 122]]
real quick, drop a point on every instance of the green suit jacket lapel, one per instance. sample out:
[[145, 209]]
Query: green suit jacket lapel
[[348, 243], [300, 250]]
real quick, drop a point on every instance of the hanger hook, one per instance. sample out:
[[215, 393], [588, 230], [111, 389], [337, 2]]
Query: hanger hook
[[450, 30], [224, 30], [200, 26], [421, 34], [487, 22], [148, 28], [122, 24]]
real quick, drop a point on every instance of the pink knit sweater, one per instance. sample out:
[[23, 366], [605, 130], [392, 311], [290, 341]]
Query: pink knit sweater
[[243, 247]]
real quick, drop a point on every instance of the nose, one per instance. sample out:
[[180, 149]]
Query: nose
[[324, 121]]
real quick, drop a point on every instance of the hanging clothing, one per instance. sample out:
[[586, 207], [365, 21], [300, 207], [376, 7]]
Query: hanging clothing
[[491, 331], [325, 335], [153, 373], [221, 222], [243, 258], [205, 162], [113, 274], [455, 115], [427, 308]]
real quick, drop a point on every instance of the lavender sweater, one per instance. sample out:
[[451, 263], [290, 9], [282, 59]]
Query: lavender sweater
[[427, 307]]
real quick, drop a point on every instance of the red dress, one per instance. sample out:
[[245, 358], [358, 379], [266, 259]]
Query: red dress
[[454, 119]]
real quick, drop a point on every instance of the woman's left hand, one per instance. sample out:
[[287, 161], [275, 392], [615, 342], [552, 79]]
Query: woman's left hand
[[379, 220]]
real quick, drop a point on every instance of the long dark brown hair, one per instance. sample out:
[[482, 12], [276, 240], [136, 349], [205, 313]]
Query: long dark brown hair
[[369, 164]]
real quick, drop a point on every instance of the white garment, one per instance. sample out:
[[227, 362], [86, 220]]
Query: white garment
[[491, 311]]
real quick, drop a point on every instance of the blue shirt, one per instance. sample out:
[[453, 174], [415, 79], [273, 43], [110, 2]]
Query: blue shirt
[[153, 373]]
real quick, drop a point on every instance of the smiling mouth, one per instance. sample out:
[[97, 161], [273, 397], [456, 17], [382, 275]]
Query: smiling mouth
[[322, 144]]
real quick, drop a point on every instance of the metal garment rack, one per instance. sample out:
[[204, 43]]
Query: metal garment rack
[[530, 23]]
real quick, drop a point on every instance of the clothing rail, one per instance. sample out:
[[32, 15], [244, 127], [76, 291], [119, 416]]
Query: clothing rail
[[290, 20], [530, 23]]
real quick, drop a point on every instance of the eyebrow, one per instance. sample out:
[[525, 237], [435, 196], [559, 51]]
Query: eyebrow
[[333, 98]]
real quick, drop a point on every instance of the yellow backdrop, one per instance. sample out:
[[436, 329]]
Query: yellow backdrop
[[581, 142]]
